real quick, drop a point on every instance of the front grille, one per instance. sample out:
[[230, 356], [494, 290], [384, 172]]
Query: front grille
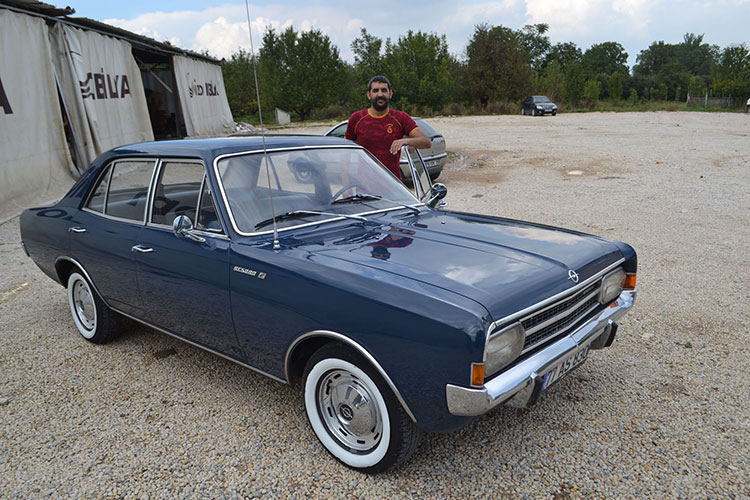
[[560, 317]]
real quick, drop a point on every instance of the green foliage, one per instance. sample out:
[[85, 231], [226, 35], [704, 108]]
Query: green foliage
[[498, 66], [535, 43], [614, 86], [300, 71], [732, 73], [420, 69], [604, 59], [303, 73], [240, 84], [573, 87], [591, 92]]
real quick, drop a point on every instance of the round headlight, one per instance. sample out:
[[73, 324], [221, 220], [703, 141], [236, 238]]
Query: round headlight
[[503, 347], [611, 286]]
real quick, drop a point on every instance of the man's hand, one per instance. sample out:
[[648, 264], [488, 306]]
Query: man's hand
[[417, 139]]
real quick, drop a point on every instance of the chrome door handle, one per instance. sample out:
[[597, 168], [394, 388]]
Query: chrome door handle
[[141, 249], [75, 229]]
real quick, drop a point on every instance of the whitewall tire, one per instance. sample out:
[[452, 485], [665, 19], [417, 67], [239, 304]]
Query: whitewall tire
[[354, 413], [94, 320]]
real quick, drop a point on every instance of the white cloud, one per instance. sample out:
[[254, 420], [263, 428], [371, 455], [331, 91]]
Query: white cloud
[[223, 30], [588, 17]]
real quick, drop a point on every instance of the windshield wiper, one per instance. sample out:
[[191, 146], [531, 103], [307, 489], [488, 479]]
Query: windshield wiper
[[304, 213], [371, 197]]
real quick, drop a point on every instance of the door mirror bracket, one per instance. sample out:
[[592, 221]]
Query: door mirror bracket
[[182, 227]]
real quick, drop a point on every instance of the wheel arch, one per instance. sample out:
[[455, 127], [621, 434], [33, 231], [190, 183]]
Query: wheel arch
[[65, 266], [303, 347]]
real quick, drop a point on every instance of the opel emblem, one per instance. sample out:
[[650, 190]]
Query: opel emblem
[[346, 412], [573, 276]]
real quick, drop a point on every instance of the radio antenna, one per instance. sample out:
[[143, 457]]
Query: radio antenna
[[276, 245]]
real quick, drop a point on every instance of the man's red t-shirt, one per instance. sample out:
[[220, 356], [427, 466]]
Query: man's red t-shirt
[[377, 133]]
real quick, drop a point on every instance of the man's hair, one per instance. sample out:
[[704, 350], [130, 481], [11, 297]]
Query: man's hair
[[379, 78]]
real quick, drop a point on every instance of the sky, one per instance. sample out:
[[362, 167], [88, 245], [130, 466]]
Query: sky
[[221, 26]]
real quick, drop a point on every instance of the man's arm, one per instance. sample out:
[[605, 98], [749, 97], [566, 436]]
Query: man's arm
[[416, 139]]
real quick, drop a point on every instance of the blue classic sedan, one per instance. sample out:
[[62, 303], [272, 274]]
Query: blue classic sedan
[[306, 260]]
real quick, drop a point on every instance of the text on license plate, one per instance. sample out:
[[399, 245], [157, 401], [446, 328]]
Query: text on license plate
[[563, 368], [431, 163]]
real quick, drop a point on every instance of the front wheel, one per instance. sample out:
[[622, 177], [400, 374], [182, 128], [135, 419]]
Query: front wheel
[[95, 321], [354, 413]]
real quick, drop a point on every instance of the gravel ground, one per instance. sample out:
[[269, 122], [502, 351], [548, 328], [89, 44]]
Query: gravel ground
[[664, 413]]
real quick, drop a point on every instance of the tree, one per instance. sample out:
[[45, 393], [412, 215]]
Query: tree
[[732, 74], [497, 66], [575, 79], [565, 54], [591, 92], [605, 58], [535, 43], [614, 86], [300, 71], [240, 84], [420, 69]]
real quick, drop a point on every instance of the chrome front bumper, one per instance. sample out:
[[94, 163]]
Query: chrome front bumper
[[521, 385]]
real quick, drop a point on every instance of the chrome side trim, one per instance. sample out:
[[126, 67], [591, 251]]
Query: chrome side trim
[[523, 378], [86, 275], [351, 343], [541, 306], [172, 334]]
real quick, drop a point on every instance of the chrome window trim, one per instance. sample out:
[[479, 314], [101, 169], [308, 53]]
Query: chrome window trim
[[228, 209], [353, 344], [157, 178], [547, 303], [106, 171], [154, 168]]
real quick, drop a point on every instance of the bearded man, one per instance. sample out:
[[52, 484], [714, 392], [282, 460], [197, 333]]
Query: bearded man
[[384, 131]]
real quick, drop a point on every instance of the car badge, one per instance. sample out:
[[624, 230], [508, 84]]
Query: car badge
[[573, 276]]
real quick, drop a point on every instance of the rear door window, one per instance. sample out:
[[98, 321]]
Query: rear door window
[[123, 190]]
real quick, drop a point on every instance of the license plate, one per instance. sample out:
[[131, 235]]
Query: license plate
[[431, 163], [565, 367]]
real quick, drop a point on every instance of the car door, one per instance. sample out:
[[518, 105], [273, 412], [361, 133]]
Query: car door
[[184, 278], [419, 174], [105, 230]]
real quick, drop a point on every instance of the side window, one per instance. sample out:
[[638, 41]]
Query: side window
[[99, 198], [123, 189], [207, 218], [177, 191]]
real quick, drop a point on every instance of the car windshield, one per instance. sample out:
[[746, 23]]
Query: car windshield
[[336, 181], [541, 99]]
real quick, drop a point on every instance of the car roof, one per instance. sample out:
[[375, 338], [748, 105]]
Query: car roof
[[225, 145]]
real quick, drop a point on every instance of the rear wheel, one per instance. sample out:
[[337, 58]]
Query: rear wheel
[[533, 112], [523, 111], [354, 413], [95, 321]]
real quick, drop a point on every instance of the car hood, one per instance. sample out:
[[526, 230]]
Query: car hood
[[503, 264]]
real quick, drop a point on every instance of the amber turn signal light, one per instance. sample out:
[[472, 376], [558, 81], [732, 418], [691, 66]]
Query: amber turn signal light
[[477, 374], [629, 282]]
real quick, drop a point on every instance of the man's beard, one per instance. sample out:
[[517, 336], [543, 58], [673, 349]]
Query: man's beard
[[380, 106]]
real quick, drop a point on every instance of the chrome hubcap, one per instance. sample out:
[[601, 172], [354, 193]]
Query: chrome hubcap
[[84, 304], [349, 411]]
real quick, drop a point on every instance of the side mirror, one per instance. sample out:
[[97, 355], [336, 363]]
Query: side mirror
[[437, 193], [182, 227]]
